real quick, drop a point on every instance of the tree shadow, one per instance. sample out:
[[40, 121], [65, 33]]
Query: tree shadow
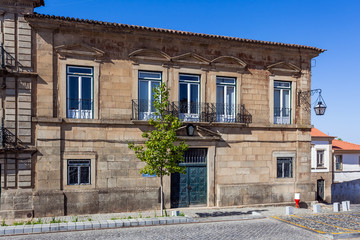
[[225, 214]]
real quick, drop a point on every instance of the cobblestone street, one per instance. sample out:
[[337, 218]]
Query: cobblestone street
[[245, 229]]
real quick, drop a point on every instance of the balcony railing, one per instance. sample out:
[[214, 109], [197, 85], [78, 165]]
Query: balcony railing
[[9, 141], [282, 115], [80, 108], [6, 58], [194, 112]]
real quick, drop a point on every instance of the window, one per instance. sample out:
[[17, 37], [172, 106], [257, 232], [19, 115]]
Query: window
[[79, 92], [359, 160], [189, 106], [284, 167], [320, 158], [225, 99], [282, 109], [147, 82], [79, 172], [338, 162]]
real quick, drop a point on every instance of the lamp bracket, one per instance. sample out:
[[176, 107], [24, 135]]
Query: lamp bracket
[[304, 97]]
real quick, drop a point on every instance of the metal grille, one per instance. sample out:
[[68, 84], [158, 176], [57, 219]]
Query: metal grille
[[195, 156]]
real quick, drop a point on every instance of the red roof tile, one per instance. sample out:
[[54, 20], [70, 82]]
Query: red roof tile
[[126, 26], [317, 133], [342, 145]]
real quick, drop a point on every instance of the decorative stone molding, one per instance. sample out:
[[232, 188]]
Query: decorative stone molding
[[228, 61], [190, 58], [284, 67], [150, 55], [81, 50]]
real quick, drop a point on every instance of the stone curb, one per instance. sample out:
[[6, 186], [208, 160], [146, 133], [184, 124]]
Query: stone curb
[[103, 224]]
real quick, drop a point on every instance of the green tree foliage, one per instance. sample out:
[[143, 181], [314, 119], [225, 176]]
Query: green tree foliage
[[163, 150]]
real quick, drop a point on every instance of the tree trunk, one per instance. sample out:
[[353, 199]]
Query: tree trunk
[[161, 194]]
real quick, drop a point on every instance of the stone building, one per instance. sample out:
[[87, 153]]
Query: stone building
[[77, 91]]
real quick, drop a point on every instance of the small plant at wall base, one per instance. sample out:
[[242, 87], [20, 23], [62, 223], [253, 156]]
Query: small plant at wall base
[[163, 150]]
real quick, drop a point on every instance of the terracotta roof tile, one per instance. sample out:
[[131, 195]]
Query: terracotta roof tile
[[317, 133], [342, 145], [119, 25]]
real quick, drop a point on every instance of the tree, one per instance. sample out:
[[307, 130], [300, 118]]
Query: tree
[[162, 151]]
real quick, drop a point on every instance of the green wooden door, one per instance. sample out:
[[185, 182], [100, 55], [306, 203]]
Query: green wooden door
[[190, 188]]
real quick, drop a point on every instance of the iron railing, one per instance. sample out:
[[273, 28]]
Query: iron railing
[[8, 140], [194, 112], [6, 58], [191, 112], [80, 108], [282, 115]]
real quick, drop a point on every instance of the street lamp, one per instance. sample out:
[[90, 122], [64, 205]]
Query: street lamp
[[319, 108]]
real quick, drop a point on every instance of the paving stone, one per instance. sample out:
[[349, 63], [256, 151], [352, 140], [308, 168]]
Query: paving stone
[[71, 226], [119, 223], [96, 224], [19, 229], [162, 221], [126, 223], [37, 228], [133, 222], [54, 227], [176, 220], [111, 223], [148, 222], [141, 222], [45, 227], [2, 230], [79, 225], [63, 227], [103, 224], [156, 221], [88, 225], [10, 230], [28, 229]]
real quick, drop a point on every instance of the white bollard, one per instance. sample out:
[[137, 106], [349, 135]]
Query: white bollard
[[336, 207], [289, 210], [175, 213], [317, 208], [345, 206]]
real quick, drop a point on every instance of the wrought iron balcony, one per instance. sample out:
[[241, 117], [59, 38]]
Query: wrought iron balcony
[[191, 112], [194, 112], [80, 108], [282, 115], [6, 59], [9, 141]]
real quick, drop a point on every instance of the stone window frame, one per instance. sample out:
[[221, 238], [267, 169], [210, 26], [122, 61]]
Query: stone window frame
[[293, 82], [284, 154], [85, 163], [79, 156], [62, 73]]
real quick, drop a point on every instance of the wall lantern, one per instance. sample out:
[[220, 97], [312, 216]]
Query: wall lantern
[[190, 129], [320, 107]]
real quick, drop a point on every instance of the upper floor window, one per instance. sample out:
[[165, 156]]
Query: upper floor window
[[225, 99], [338, 162], [189, 100], [282, 104], [80, 96], [320, 158], [147, 82]]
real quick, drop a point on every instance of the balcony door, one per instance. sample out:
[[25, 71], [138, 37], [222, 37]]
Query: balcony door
[[225, 99], [282, 109], [80, 92], [147, 82], [189, 105]]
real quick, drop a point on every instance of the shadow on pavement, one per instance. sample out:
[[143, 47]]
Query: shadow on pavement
[[224, 214]]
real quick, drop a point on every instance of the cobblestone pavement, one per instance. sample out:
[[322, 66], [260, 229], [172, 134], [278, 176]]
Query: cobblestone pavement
[[335, 224], [251, 229]]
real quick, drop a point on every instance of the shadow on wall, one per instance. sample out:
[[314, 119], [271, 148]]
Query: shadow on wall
[[346, 191]]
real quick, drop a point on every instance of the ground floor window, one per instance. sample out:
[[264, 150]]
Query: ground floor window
[[79, 172], [284, 167]]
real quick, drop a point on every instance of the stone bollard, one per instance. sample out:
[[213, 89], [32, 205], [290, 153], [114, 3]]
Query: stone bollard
[[317, 208], [336, 207], [345, 206], [175, 213], [289, 210]]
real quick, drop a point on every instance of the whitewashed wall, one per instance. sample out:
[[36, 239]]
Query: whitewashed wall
[[320, 145]]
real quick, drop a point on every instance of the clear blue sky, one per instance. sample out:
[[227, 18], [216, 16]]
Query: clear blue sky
[[328, 24]]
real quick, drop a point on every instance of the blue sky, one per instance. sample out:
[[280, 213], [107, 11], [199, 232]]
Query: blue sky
[[328, 24]]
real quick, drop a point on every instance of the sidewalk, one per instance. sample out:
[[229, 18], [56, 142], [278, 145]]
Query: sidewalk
[[148, 218]]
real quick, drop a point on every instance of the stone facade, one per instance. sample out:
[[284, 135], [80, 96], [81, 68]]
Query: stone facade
[[242, 156]]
